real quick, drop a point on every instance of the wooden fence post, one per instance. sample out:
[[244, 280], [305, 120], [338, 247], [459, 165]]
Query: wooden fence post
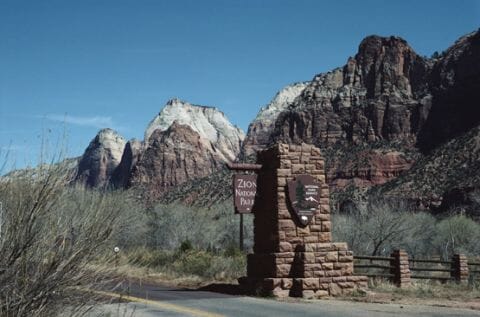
[[400, 268], [459, 268]]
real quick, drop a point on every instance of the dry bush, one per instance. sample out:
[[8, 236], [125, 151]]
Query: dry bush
[[457, 234], [372, 227], [215, 228], [378, 227], [50, 234], [189, 241]]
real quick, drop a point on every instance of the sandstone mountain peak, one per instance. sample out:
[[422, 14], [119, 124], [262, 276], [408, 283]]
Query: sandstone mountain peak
[[380, 94], [209, 122], [389, 65], [280, 102], [183, 142], [376, 115], [377, 41], [177, 102], [111, 139], [108, 134], [101, 157], [385, 72], [174, 156], [262, 126]]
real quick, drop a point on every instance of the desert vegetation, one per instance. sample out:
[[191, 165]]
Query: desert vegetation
[[378, 226], [193, 241], [198, 243], [57, 239], [51, 237]]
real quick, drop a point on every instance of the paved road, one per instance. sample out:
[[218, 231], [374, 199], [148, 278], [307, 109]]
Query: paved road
[[154, 301]]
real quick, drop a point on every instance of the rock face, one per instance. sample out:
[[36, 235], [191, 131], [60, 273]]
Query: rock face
[[382, 111], [121, 177], [260, 130], [454, 84], [182, 142], [380, 94], [100, 159], [173, 157], [210, 123], [371, 167]]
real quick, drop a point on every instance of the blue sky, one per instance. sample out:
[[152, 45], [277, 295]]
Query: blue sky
[[69, 68]]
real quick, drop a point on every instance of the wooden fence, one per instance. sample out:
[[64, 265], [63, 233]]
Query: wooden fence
[[474, 270], [400, 269]]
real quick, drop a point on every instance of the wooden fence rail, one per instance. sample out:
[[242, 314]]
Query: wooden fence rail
[[475, 268], [399, 268], [429, 261], [374, 258]]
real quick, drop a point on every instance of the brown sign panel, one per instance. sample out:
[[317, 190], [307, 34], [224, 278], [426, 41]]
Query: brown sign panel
[[304, 195], [244, 191]]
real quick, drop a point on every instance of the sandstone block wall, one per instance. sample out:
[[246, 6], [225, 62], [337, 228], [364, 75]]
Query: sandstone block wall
[[460, 268], [400, 268]]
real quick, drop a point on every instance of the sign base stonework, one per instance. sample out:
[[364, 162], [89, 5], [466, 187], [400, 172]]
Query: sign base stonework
[[292, 258]]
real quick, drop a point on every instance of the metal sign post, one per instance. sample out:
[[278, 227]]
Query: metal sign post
[[241, 233]]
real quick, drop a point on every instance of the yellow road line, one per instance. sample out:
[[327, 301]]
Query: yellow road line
[[167, 306]]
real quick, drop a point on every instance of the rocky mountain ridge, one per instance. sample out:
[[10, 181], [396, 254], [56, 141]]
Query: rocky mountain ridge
[[380, 119], [380, 94], [182, 142], [385, 108]]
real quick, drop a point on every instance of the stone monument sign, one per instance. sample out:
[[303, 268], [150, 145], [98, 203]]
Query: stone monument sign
[[293, 253]]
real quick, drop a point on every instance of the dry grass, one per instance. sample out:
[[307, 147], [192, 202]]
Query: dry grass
[[431, 289], [432, 293], [190, 268]]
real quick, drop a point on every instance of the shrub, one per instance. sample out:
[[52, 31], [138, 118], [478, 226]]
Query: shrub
[[457, 234], [372, 227], [150, 258], [186, 246], [193, 263]]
